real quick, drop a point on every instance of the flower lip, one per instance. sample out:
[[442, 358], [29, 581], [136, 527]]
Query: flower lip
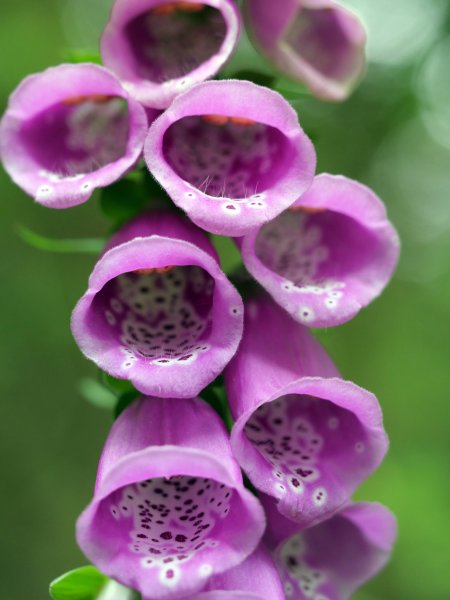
[[93, 133], [186, 321], [336, 557], [301, 260], [231, 154], [254, 579], [310, 445], [132, 504], [161, 48], [160, 313], [227, 595]]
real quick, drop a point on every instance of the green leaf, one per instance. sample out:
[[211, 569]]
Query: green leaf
[[124, 199], [116, 386], [97, 394], [230, 257], [80, 584], [67, 246], [216, 396], [291, 90], [124, 401], [80, 55], [244, 283], [265, 79]]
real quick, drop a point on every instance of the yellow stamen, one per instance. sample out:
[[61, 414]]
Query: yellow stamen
[[165, 9], [144, 271], [165, 269], [154, 270], [215, 119], [74, 100], [242, 121], [190, 6], [307, 209]]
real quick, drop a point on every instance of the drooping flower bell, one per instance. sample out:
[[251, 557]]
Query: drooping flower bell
[[330, 254], [302, 434], [159, 311], [330, 561], [169, 508], [160, 48], [316, 42], [69, 130], [231, 154], [254, 579]]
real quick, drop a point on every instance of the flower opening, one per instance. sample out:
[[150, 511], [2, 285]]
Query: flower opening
[[231, 154], [159, 311], [160, 49], [317, 42], [331, 253], [69, 130]]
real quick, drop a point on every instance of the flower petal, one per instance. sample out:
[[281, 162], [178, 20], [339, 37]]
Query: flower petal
[[254, 579]]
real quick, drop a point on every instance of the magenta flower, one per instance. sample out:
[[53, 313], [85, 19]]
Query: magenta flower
[[317, 42], [69, 130], [302, 434], [160, 48], [254, 579], [169, 508], [231, 154], [329, 255], [333, 559], [159, 311]]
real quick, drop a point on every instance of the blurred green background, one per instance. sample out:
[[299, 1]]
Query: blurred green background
[[394, 135]]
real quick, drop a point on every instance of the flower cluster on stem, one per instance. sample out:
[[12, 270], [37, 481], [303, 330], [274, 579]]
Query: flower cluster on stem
[[172, 516]]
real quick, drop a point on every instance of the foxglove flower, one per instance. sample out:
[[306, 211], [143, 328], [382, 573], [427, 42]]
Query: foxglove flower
[[69, 130], [169, 508], [159, 311], [327, 256], [317, 42], [160, 48], [231, 154], [254, 579], [303, 435], [333, 559]]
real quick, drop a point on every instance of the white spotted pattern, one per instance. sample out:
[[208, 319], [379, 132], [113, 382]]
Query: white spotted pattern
[[291, 446], [226, 160], [170, 521], [299, 576], [294, 249], [161, 317]]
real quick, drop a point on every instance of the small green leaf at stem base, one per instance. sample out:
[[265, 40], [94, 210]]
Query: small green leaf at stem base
[[84, 583], [97, 394], [116, 386]]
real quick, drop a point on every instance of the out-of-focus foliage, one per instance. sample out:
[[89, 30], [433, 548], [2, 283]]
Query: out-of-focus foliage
[[393, 134]]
